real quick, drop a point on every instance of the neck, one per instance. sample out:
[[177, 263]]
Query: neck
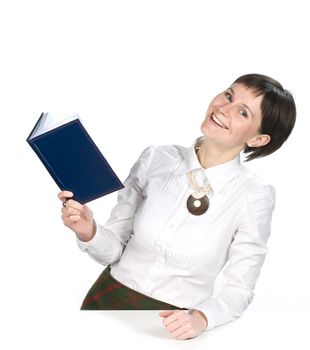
[[211, 154]]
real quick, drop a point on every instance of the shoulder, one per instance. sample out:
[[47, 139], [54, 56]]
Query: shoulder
[[256, 187], [162, 158], [170, 152], [164, 153]]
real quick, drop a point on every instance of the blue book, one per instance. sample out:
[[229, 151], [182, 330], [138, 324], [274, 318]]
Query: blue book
[[72, 158]]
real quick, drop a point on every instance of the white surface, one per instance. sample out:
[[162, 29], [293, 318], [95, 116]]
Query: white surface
[[140, 329], [141, 72]]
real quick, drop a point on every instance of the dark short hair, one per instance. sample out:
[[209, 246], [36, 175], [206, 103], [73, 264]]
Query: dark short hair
[[278, 112]]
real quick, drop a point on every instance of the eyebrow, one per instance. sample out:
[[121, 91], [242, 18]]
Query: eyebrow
[[233, 93]]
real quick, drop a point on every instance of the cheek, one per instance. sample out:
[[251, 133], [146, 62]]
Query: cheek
[[215, 103], [244, 131]]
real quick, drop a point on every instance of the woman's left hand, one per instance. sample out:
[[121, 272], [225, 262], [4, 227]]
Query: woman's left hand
[[183, 325]]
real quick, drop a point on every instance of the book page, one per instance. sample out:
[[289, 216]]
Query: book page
[[48, 122]]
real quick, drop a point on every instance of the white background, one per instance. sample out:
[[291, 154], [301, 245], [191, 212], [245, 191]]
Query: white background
[[140, 73]]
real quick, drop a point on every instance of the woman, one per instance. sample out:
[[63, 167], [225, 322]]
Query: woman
[[186, 214]]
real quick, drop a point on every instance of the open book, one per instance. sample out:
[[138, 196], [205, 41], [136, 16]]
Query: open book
[[72, 158]]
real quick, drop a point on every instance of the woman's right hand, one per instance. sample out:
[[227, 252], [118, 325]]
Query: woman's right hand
[[78, 217]]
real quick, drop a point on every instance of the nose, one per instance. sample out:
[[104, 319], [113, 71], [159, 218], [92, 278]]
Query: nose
[[225, 109]]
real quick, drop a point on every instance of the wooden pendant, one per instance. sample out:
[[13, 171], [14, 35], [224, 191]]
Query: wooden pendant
[[197, 206]]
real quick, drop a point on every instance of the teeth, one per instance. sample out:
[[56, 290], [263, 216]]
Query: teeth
[[218, 121]]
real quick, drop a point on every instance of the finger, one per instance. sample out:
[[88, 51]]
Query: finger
[[173, 317], [174, 326], [70, 203], [181, 331], [166, 313], [185, 335], [67, 211], [64, 195], [68, 219], [73, 218]]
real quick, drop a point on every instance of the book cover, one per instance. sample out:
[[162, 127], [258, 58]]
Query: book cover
[[72, 159]]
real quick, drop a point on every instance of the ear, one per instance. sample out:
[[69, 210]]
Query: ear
[[259, 141]]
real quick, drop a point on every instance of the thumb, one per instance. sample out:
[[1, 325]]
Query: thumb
[[166, 313]]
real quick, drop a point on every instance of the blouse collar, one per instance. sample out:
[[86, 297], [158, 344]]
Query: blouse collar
[[218, 175]]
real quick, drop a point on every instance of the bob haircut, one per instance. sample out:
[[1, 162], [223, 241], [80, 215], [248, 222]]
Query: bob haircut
[[278, 112]]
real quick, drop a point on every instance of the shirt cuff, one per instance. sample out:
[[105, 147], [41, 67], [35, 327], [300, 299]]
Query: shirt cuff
[[84, 245]]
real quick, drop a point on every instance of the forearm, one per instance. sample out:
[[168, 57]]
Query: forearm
[[103, 247], [227, 306]]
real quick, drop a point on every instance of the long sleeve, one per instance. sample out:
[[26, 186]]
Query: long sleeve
[[245, 258], [110, 239]]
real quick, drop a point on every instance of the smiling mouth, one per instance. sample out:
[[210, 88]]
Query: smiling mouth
[[217, 121]]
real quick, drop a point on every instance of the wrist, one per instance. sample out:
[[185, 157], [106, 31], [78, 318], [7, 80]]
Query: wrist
[[202, 316], [90, 236]]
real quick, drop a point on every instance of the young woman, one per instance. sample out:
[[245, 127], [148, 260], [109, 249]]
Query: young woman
[[186, 214]]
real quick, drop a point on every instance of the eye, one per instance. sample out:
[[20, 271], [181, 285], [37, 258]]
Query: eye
[[228, 96], [243, 113]]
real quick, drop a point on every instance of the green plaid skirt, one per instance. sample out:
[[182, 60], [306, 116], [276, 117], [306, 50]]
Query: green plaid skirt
[[109, 294]]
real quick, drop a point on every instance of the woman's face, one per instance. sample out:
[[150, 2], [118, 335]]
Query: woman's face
[[233, 117]]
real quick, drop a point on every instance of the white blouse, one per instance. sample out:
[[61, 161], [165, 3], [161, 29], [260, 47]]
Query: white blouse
[[157, 247]]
